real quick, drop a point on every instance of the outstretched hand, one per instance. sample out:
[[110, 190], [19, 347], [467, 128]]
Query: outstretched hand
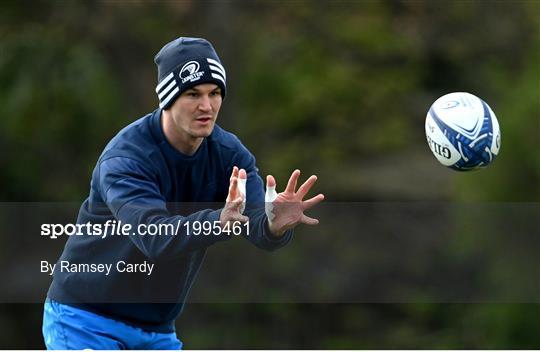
[[289, 206], [233, 209]]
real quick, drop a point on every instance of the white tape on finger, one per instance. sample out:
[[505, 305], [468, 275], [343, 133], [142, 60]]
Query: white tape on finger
[[269, 197], [242, 189]]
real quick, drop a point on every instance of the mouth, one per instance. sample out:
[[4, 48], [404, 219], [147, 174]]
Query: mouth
[[204, 119]]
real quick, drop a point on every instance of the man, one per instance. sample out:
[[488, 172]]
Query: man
[[146, 174]]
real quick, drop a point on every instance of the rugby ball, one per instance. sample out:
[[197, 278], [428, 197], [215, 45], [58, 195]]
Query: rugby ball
[[463, 132]]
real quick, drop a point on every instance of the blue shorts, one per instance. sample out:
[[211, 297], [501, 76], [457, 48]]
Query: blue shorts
[[69, 328]]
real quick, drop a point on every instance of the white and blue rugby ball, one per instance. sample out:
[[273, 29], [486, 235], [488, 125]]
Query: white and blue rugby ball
[[463, 132]]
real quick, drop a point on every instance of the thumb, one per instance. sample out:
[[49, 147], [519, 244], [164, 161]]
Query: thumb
[[269, 198], [271, 194], [242, 174], [242, 180], [270, 181]]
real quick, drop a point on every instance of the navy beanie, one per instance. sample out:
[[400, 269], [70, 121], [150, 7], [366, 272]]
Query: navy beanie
[[185, 63]]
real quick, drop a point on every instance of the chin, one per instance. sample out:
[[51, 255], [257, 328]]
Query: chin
[[204, 132]]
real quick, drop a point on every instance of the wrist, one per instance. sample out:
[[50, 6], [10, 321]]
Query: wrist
[[274, 232]]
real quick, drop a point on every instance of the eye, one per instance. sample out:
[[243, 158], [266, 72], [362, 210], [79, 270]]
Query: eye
[[192, 94], [215, 93]]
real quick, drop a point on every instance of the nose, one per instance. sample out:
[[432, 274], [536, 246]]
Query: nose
[[204, 103]]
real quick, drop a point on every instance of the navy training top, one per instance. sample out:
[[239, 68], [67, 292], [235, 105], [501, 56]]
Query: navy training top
[[141, 179]]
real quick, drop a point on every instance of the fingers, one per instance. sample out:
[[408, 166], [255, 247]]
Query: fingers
[[237, 182], [306, 186], [235, 199], [234, 173], [243, 218], [235, 207], [237, 203], [309, 221], [234, 185], [232, 188], [291, 185], [307, 204]]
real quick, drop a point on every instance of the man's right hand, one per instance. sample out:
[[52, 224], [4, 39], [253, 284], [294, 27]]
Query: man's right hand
[[233, 206]]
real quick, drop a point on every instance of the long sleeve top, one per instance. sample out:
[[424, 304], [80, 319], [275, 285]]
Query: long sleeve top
[[140, 179]]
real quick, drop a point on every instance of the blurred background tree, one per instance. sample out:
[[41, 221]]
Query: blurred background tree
[[336, 88]]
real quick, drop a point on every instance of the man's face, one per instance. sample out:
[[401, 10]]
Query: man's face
[[195, 111]]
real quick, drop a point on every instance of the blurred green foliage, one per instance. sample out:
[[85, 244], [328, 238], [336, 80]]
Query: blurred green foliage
[[336, 88], [58, 102]]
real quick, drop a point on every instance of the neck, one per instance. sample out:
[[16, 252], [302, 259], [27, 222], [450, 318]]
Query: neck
[[182, 142]]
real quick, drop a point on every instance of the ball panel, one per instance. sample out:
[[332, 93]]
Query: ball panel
[[461, 112], [496, 137], [440, 146]]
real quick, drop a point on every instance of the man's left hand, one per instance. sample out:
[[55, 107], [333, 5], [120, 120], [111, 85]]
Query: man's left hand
[[289, 206]]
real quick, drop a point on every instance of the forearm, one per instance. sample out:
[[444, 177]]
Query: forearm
[[259, 232], [176, 238]]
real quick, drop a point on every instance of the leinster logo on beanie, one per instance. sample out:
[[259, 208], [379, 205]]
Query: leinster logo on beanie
[[185, 63]]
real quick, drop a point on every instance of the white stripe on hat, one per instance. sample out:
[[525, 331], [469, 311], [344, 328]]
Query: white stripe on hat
[[220, 69], [216, 76], [169, 97], [164, 81], [166, 90]]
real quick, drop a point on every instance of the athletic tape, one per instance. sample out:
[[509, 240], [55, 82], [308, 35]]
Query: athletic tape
[[269, 197], [242, 189]]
